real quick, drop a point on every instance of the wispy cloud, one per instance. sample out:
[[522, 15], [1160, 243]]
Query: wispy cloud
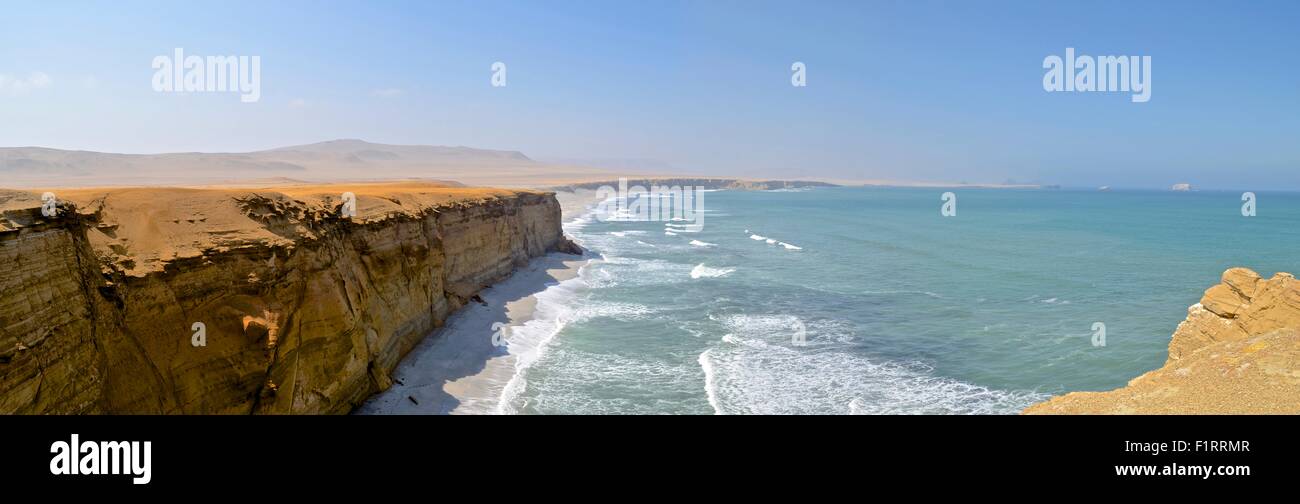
[[297, 103], [386, 92], [20, 85]]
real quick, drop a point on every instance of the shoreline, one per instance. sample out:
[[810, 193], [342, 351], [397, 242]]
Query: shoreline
[[456, 369]]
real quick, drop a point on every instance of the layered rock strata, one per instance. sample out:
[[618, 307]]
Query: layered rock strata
[[242, 301]]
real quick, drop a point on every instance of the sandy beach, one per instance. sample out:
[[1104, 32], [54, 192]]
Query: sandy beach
[[458, 370]]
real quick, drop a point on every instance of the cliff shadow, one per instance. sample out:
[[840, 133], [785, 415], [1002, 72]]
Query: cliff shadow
[[457, 368]]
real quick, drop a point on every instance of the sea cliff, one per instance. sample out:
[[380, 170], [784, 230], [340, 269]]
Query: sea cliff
[[242, 301], [1238, 352]]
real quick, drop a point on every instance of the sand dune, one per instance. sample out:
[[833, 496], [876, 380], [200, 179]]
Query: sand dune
[[333, 161]]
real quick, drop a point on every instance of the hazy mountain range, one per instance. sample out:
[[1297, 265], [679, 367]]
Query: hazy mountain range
[[326, 161]]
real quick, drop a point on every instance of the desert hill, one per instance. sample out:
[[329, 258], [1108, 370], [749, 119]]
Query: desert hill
[[337, 160]]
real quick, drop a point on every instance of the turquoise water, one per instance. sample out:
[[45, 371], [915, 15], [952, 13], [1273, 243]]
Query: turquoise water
[[905, 311]]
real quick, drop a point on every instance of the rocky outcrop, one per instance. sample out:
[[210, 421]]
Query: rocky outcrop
[[1238, 351], [211, 301]]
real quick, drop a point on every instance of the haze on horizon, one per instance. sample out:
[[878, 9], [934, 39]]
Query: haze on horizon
[[918, 90]]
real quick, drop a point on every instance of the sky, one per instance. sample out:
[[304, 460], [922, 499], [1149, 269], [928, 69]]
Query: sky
[[904, 90]]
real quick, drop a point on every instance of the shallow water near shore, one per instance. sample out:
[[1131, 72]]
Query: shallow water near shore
[[903, 310]]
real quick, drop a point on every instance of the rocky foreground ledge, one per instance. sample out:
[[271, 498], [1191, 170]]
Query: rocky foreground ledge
[[1238, 352], [235, 301]]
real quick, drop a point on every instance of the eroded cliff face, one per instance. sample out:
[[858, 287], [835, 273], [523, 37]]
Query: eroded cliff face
[[303, 311], [1238, 351]]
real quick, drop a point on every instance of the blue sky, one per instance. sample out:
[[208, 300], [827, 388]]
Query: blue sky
[[945, 91]]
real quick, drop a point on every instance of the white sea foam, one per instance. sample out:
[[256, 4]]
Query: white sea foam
[[710, 388], [790, 189], [576, 224], [629, 384], [556, 308], [698, 243], [897, 292], [528, 342], [619, 311], [619, 270], [553, 310], [702, 271], [598, 278], [773, 241], [670, 233], [756, 369]]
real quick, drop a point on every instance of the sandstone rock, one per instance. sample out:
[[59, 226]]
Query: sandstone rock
[[101, 299], [1238, 351], [569, 247], [1231, 297]]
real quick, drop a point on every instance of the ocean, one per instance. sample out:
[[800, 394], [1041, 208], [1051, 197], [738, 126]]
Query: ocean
[[869, 301]]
